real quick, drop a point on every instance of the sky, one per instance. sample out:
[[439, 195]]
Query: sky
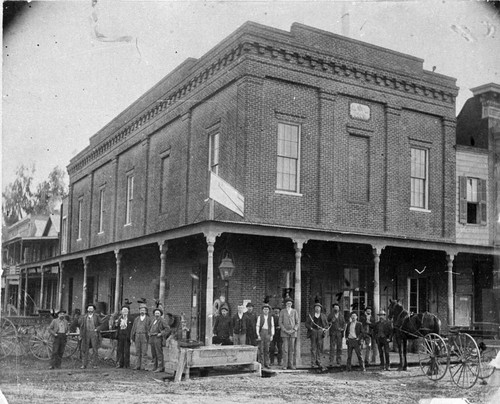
[[70, 67]]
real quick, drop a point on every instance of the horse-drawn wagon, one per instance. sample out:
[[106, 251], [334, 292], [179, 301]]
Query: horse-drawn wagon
[[23, 334], [467, 359]]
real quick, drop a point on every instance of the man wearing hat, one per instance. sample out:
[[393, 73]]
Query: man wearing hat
[[89, 335], [123, 324], [337, 327], [59, 328], [317, 327], [289, 324], [382, 332], [222, 331], [265, 333], [251, 320], [139, 335], [158, 331], [276, 343]]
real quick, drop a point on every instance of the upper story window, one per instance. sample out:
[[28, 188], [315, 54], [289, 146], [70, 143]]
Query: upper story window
[[64, 235], [287, 173], [80, 219], [472, 203], [165, 174], [214, 153], [101, 209], [417, 295], [130, 198], [419, 178]]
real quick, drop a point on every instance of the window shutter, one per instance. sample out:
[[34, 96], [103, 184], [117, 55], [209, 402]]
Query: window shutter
[[462, 200], [481, 184]]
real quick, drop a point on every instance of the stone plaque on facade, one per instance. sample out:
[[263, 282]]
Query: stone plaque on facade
[[359, 111]]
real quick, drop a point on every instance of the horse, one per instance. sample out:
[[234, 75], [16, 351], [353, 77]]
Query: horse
[[410, 327]]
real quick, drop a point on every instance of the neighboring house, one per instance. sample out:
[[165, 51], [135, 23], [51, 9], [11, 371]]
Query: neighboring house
[[28, 286], [477, 290], [297, 163]]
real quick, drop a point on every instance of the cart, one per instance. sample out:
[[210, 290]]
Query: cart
[[460, 354], [22, 334]]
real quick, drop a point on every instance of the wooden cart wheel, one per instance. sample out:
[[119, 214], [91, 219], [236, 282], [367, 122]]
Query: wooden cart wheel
[[487, 355], [465, 360], [72, 344], [8, 337], [433, 357], [40, 344]]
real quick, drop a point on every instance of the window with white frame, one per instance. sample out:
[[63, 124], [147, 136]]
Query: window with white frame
[[418, 295], [288, 165], [214, 152], [165, 174], [79, 221], [419, 178], [130, 198], [472, 200], [101, 209]]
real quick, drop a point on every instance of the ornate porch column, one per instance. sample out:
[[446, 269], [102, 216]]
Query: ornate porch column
[[41, 286], [84, 291], [163, 271], [60, 285], [377, 250], [118, 256], [26, 294], [19, 291], [298, 245], [210, 237], [451, 308]]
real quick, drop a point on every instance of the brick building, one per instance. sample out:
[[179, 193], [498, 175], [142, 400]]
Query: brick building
[[316, 165]]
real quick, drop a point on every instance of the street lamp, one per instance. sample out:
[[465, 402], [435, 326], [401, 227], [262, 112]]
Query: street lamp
[[226, 267]]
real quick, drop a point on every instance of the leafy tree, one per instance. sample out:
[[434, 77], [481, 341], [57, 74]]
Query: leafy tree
[[17, 198], [49, 193]]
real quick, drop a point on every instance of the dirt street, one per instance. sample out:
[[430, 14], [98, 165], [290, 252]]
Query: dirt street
[[25, 380]]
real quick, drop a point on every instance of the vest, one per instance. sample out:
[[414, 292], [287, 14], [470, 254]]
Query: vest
[[269, 324]]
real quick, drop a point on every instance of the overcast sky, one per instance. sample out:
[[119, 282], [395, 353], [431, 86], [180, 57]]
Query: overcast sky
[[69, 67]]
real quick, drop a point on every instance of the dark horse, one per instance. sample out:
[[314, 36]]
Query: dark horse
[[410, 327]]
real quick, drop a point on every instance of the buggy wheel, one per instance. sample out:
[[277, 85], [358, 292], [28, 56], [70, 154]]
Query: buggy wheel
[[8, 337], [433, 357], [40, 344], [487, 355], [71, 346], [465, 368]]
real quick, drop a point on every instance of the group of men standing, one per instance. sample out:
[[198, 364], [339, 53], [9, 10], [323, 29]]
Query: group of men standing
[[368, 332], [274, 334], [142, 331]]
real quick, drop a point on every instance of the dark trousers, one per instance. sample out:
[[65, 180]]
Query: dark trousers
[[336, 347], [353, 344], [91, 340], [157, 352], [383, 351], [58, 350], [123, 350], [316, 347], [276, 346], [265, 340]]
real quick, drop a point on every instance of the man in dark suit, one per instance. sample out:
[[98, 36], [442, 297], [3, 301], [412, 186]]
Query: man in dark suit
[[123, 324], [383, 334], [89, 335], [317, 325], [353, 336]]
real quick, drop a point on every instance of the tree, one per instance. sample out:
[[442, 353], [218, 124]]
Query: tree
[[50, 193], [17, 198]]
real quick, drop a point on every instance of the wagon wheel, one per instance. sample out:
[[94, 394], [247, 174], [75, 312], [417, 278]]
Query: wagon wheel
[[433, 357], [8, 337], [40, 344], [72, 344], [487, 355], [465, 369]]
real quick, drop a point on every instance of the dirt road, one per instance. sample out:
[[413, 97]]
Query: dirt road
[[25, 380]]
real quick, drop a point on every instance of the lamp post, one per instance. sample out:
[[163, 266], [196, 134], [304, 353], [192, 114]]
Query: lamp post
[[226, 269]]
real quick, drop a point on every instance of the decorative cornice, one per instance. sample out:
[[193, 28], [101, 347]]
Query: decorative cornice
[[325, 64]]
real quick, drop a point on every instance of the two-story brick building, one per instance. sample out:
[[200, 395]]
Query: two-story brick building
[[315, 165]]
